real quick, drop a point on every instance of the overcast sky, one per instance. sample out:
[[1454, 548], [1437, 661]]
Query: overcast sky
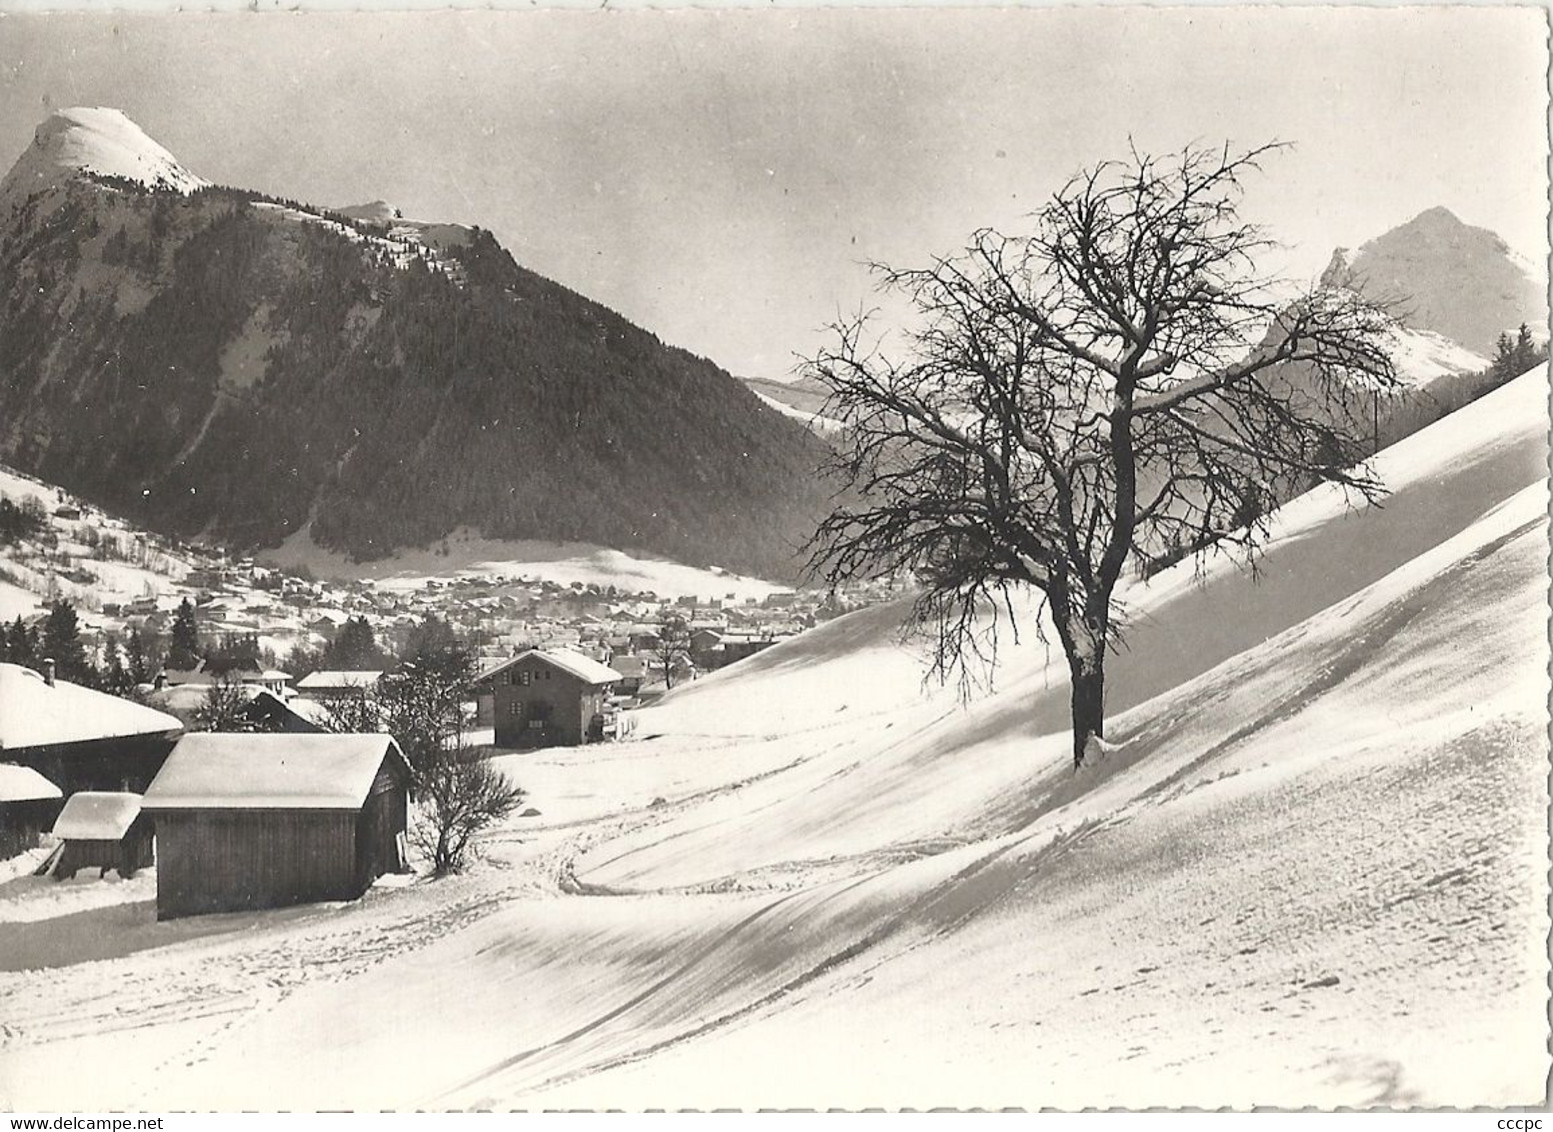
[[719, 177]]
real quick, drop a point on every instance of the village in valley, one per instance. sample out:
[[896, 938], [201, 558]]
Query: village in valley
[[1109, 669], [204, 645], [126, 641]]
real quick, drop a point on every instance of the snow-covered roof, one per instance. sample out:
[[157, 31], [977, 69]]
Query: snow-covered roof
[[210, 771], [34, 713], [585, 668], [97, 815], [310, 710], [177, 698], [365, 678], [23, 784], [198, 675]]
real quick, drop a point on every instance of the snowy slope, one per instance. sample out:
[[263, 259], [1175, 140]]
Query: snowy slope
[[94, 559], [1313, 872], [1421, 356], [97, 140], [815, 421], [467, 554]]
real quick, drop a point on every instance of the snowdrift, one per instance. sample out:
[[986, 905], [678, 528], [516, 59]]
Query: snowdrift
[[1312, 872]]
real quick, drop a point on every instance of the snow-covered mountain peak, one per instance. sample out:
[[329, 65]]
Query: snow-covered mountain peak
[[1446, 276], [99, 141]]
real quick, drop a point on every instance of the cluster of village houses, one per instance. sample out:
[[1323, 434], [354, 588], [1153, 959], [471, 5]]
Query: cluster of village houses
[[496, 614], [245, 820], [120, 580], [295, 811], [237, 820]]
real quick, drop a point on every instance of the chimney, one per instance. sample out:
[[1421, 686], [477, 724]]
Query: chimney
[[48, 672]]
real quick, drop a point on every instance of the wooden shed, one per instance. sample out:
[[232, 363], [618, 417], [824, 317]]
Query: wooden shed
[[102, 830], [264, 821], [548, 697]]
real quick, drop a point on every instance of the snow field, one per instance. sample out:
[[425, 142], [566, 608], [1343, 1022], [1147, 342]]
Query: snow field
[[1311, 869]]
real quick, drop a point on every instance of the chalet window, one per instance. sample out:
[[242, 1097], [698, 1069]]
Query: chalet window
[[523, 678]]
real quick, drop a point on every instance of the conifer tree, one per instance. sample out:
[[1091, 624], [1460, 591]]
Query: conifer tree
[[184, 652], [1525, 350], [135, 656], [62, 644], [355, 648], [22, 644]]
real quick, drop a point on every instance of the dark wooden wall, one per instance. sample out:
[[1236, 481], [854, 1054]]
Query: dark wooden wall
[[382, 820], [101, 764], [127, 855], [232, 860], [21, 823]]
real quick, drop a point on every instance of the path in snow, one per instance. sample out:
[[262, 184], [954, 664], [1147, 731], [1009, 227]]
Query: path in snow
[[1314, 872]]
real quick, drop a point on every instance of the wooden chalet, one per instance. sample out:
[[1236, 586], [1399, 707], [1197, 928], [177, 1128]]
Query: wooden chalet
[[548, 698], [102, 830], [79, 738], [263, 821]]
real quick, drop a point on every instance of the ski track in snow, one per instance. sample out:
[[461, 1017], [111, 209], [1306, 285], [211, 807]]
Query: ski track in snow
[[1311, 870]]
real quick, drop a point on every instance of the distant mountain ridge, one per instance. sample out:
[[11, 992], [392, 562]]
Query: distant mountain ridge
[[1448, 277], [214, 362]]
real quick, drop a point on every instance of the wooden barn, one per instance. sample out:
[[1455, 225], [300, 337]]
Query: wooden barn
[[28, 805], [79, 738], [102, 830], [264, 821], [548, 698]]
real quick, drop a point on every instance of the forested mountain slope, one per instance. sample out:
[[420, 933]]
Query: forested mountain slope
[[212, 362]]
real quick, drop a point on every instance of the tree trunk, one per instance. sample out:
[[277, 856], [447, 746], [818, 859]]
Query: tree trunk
[[1088, 707]]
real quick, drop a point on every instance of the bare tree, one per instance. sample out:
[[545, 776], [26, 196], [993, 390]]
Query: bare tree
[[457, 790], [460, 794], [1121, 383], [352, 714], [673, 645], [225, 707]]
